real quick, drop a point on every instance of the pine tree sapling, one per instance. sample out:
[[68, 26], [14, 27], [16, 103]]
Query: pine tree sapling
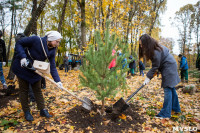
[[95, 72]]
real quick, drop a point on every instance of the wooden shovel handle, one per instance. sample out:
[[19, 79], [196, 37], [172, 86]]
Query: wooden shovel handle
[[58, 86]]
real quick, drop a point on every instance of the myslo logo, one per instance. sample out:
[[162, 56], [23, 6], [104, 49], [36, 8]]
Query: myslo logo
[[184, 128]]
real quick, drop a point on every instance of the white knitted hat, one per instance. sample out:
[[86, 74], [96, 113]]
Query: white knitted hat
[[53, 35]]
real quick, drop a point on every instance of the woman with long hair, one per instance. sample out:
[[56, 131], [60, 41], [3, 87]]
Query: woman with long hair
[[165, 63]]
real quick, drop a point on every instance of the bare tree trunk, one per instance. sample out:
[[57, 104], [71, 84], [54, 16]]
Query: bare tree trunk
[[83, 28], [41, 25], [34, 25], [11, 33], [35, 17], [156, 9], [62, 16], [130, 17]]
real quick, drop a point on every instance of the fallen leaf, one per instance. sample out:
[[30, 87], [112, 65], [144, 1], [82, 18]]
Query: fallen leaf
[[123, 117], [106, 122]]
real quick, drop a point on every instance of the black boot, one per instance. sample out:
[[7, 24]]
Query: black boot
[[28, 116], [45, 113]]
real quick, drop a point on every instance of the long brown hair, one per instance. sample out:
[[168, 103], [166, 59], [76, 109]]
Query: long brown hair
[[149, 44]]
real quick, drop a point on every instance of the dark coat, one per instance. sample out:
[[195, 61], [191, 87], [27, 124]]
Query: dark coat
[[141, 66], [166, 64], [132, 65], [34, 46], [3, 51]]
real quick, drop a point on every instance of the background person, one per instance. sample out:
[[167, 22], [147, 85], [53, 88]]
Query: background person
[[184, 68], [141, 67], [2, 60]]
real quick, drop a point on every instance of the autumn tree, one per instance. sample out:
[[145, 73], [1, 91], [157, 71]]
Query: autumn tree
[[183, 23], [35, 15], [197, 25], [168, 42]]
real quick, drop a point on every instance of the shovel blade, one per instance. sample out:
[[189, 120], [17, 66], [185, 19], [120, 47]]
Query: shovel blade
[[120, 106], [87, 104]]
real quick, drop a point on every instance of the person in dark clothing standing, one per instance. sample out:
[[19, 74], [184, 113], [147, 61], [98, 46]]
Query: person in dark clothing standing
[[36, 49], [141, 67], [184, 68], [164, 62], [2, 60], [132, 66], [66, 63]]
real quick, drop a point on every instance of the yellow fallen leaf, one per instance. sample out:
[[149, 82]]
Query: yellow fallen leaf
[[72, 127]]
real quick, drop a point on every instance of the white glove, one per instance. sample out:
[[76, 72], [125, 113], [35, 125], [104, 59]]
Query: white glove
[[4, 63], [24, 62], [146, 81], [60, 84]]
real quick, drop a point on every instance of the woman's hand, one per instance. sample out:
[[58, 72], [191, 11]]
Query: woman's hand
[[24, 62], [60, 84], [146, 81]]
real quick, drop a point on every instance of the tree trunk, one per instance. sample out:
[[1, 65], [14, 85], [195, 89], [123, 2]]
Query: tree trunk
[[130, 17], [34, 26], [41, 25], [62, 16], [35, 17], [153, 19], [11, 33], [83, 34]]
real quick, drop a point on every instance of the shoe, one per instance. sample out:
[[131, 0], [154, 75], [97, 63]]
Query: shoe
[[45, 113], [5, 86], [159, 117], [28, 116]]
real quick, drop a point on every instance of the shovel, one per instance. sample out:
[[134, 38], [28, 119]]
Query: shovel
[[86, 103], [121, 105]]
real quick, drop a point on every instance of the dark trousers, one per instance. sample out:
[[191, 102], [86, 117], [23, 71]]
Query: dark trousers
[[184, 74], [31, 94], [23, 94], [66, 68]]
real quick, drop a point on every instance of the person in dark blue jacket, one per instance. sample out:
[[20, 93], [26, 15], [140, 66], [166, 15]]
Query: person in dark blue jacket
[[25, 77], [184, 68], [141, 67]]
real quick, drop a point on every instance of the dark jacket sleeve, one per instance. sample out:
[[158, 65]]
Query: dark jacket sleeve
[[155, 64], [4, 51], [54, 72]]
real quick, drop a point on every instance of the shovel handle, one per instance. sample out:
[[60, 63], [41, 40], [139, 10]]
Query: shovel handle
[[134, 93], [58, 86]]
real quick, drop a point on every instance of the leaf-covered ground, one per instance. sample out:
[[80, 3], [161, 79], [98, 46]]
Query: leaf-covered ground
[[68, 115]]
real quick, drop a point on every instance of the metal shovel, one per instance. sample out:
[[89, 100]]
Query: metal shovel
[[121, 105], [86, 103]]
